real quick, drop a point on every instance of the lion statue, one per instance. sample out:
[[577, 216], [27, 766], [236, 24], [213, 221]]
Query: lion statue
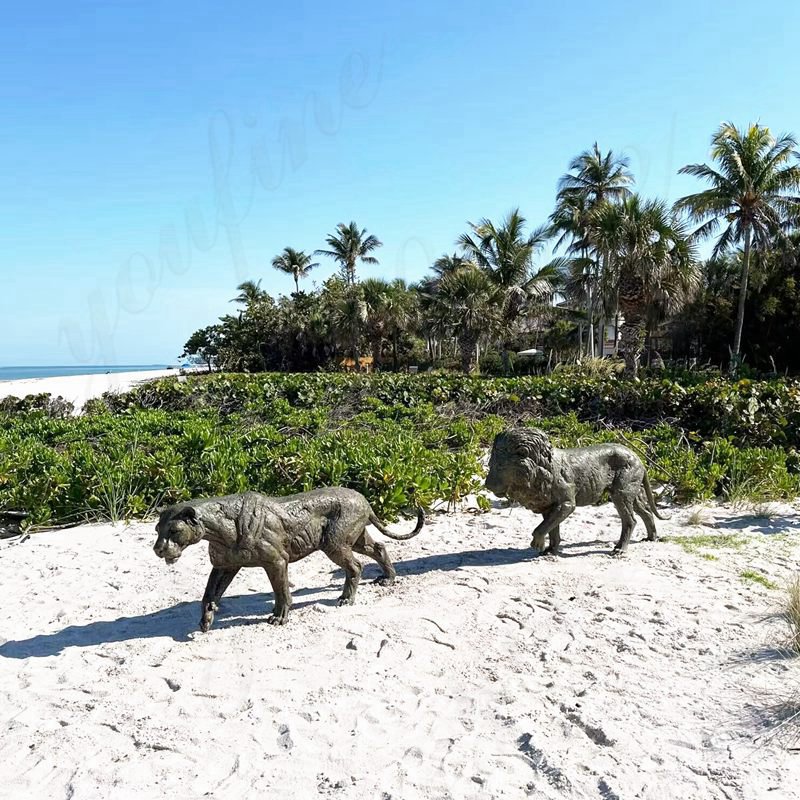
[[252, 530], [526, 468]]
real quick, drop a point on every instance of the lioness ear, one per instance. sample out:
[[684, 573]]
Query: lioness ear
[[187, 514]]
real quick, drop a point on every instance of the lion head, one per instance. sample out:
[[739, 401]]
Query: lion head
[[178, 527], [520, 466]]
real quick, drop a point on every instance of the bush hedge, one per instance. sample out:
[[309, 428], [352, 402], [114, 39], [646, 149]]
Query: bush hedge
[[400, 439]]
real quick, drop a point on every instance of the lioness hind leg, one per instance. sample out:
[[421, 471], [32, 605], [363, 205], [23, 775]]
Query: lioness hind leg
[[218, 581], [367, 546], [643, 510], [278, 575], [624, 505], [343, 557]]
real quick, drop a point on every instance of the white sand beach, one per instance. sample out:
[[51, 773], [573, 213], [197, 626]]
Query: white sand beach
[[482, 673], [80, 388]]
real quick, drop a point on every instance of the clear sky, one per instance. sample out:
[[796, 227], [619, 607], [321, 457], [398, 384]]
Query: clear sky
[[153, 155]]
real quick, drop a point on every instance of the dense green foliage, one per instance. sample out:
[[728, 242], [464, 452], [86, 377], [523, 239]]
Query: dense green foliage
[[400, 439]]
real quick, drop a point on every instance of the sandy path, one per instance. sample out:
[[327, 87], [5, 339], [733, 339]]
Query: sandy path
[[480, 674], [80, 388]]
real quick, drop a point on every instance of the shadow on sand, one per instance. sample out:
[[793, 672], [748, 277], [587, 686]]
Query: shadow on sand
[[175, 622], [768, 526], [179, 621]]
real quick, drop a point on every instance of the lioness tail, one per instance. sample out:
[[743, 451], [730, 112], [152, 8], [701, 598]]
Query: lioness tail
[[650, 498], [400, 537]]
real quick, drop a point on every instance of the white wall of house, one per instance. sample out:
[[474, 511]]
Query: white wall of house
[[609, 339]]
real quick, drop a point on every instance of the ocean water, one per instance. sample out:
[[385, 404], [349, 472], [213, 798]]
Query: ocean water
[[19, 373]]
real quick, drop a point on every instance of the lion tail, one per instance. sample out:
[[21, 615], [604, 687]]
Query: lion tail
[[400, 537], [650, 499]]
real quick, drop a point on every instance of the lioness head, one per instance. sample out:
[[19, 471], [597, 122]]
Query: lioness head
[[177, 528], [520, 457]]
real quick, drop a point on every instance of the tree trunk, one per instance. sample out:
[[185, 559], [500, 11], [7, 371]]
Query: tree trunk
[[296, 283], [590, 309], [467, 344], [630, 344], [737, 339], [356, 354], [506, 356], [395, 360], [376, 352]]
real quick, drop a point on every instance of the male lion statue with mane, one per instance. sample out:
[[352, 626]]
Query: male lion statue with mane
[[253, 530], [527, 469]]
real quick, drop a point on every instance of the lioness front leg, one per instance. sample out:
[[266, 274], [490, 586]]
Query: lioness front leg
[[278, 575], [218, 581], [555, 542], [551, 523]]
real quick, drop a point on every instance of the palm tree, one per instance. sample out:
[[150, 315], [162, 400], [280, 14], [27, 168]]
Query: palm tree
[[750, 195], [348, 246], [448, 263], [468, 301], [249, 293], [593, 179], [376, 299], [349, 320], [649, 251], [400, 310], [505, 253], [433, 315], [295, 263]]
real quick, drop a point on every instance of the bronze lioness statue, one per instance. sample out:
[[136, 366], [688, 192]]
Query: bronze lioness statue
[[253, 530], [527, 469]]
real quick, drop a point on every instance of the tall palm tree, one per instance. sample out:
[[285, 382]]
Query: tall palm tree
[[349, 245], [468, 301], [597, 177], [593, 179], [751, 195], [649, 250], [505, 253], [249, 293], [295, 263]]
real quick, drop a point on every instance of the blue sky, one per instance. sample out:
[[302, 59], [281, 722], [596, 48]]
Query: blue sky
[[156, 154]]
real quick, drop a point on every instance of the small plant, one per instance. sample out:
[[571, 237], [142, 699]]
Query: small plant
[[764, 511], [752, 576], [792, 614], [698, 518]]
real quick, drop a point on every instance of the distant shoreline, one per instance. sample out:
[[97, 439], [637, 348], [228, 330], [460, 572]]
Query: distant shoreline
[[80, 388], [23, 372]]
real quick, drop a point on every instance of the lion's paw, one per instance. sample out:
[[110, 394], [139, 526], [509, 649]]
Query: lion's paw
[[345, 601], [383, 581]]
